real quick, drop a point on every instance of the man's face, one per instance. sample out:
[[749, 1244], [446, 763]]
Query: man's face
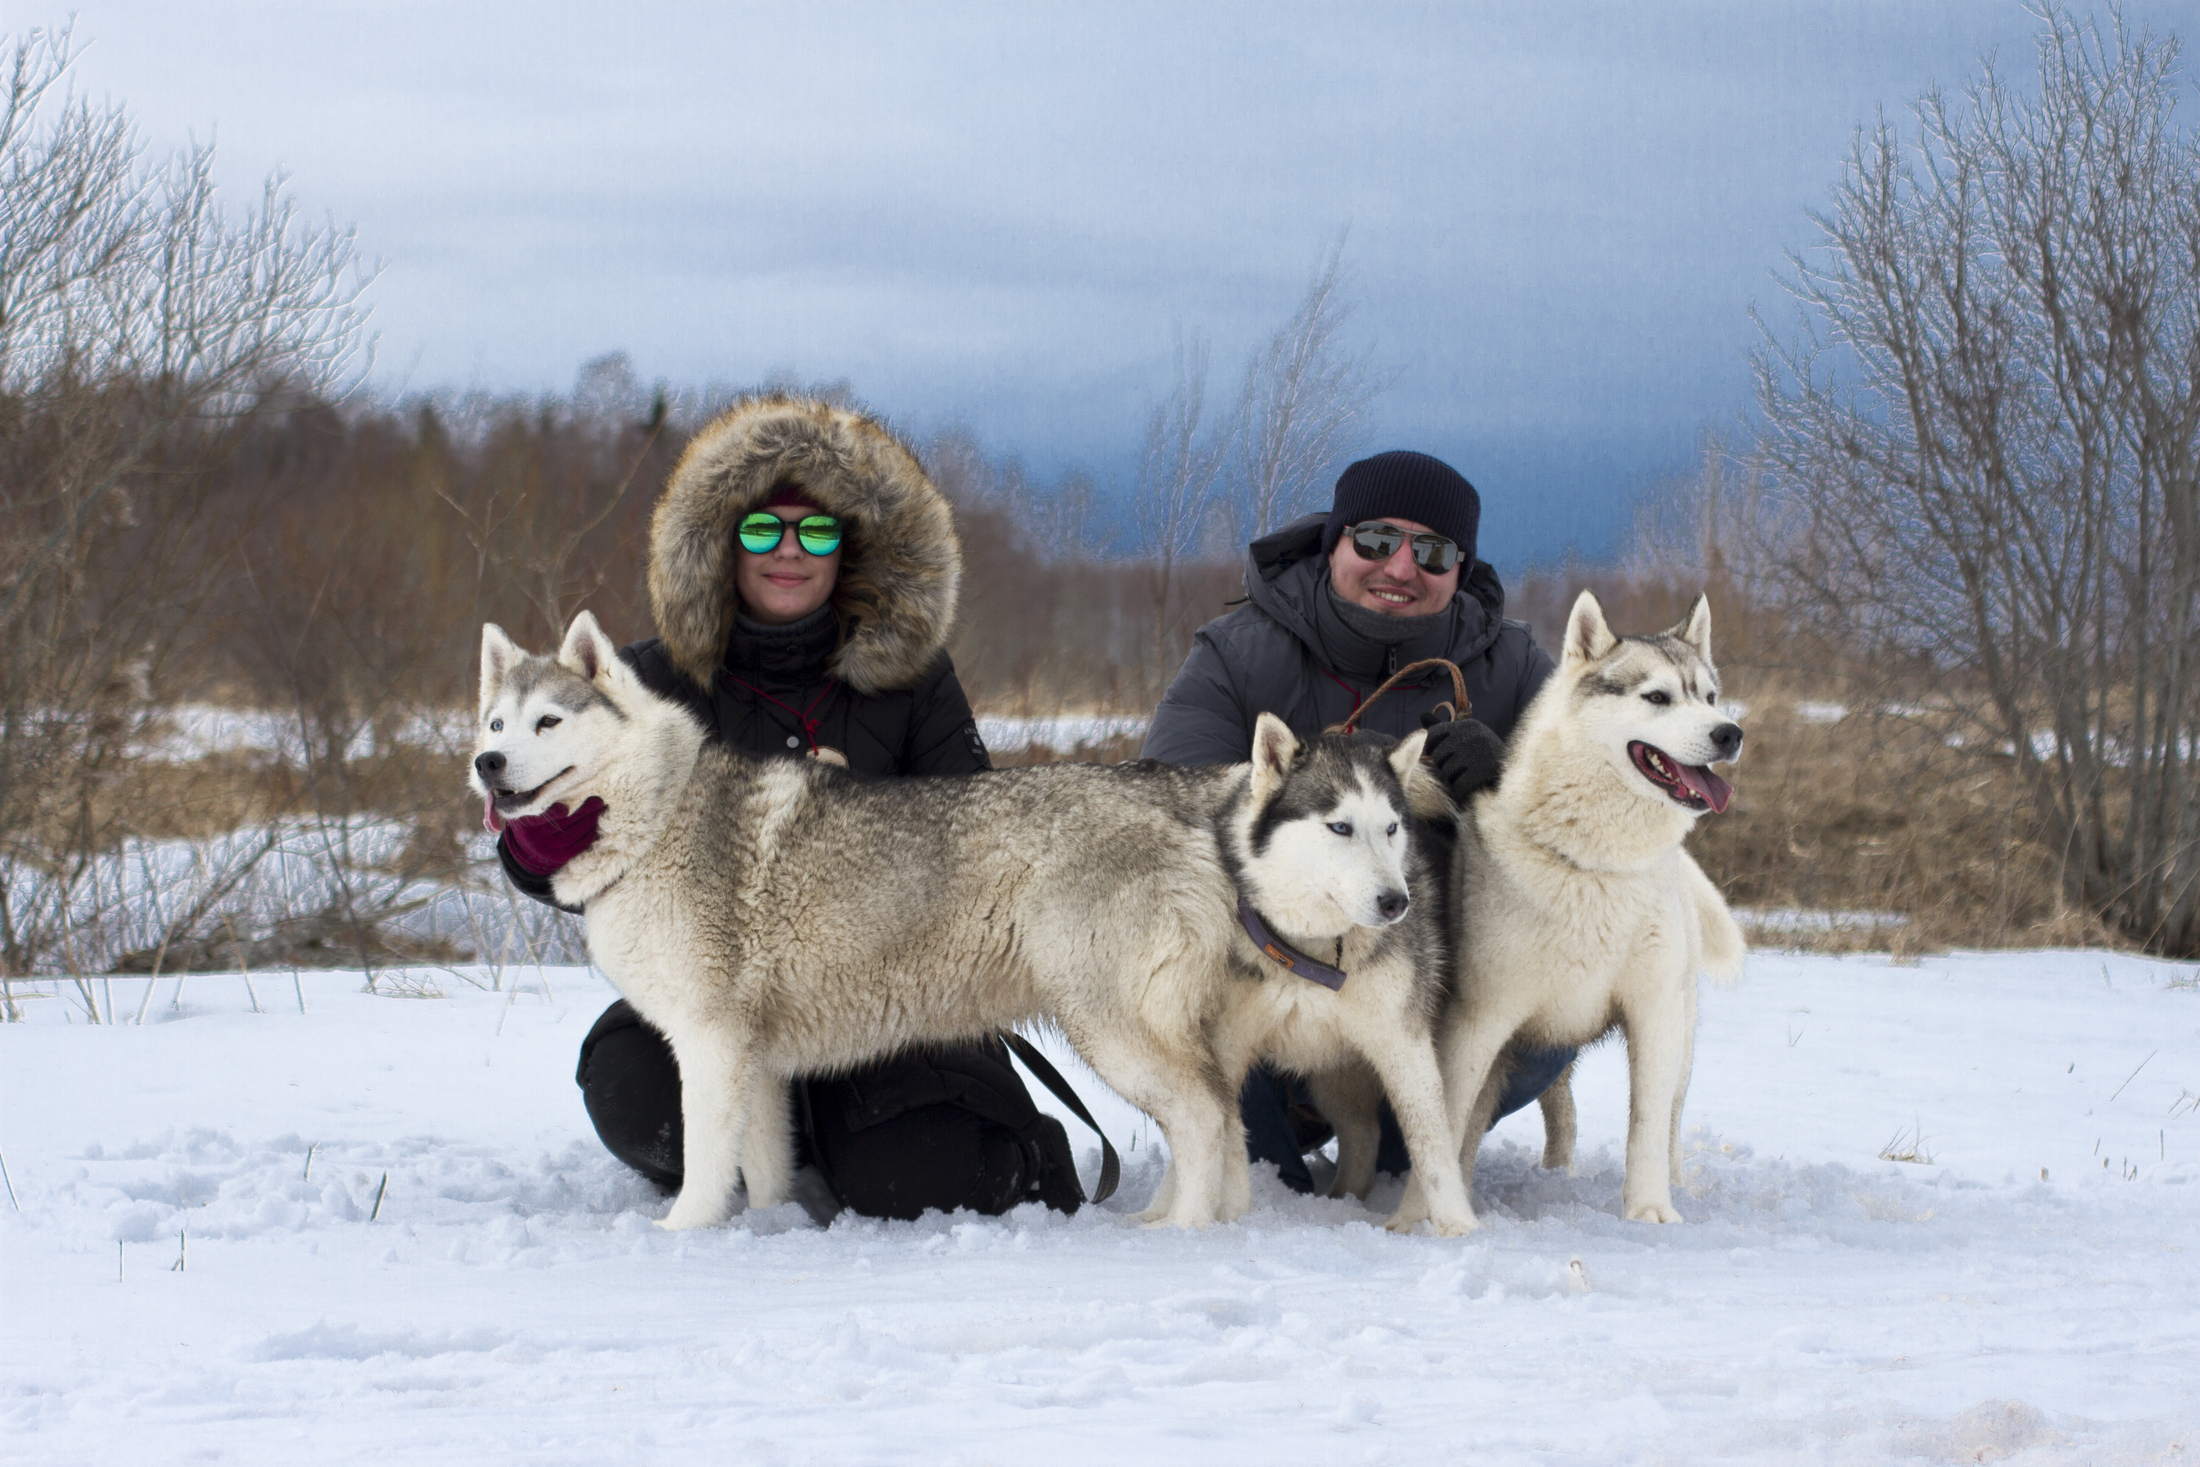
[[1396, 586]]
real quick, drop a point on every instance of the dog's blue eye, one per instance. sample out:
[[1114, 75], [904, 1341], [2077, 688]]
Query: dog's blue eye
[[1657, 699], [548, 720], [496, 725], [1393, 828], [1342, 827]]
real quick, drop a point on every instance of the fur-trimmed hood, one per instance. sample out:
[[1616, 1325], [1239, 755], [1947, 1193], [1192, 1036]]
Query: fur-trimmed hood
[[900, 564]]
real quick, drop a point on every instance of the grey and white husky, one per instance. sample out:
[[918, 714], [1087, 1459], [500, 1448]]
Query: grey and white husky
[[780, 918], [1576, 911], [1341, 981]]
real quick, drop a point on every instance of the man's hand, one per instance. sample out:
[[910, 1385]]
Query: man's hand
[[1467, 755]]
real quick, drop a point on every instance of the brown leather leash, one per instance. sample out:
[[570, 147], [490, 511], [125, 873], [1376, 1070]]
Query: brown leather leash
[[1459, 706]]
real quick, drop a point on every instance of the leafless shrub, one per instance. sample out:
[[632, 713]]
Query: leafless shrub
[[140, 327], [1982, 450]]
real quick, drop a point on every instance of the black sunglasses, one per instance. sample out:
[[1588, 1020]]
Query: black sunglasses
[[1378, 541]]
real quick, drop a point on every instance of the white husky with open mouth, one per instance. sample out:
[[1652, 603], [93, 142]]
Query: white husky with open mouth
[[1577, 912]]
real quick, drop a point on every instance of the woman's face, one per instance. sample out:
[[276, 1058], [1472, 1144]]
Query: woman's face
[[786, 583]]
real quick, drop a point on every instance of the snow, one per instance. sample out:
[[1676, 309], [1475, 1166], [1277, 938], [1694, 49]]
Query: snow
[[195, 730], [260, 877], [1064, 733], [187, 731], [2030, 1295], [1767, 921]]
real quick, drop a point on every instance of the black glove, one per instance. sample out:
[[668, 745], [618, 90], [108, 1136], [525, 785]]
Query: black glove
[[1467, 755]]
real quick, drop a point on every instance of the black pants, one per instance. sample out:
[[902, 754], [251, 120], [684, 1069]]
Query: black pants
[[1281, 1124], [939, 1128]]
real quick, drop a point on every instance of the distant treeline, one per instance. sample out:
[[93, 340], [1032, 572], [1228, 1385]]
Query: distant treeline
[[344, 557]]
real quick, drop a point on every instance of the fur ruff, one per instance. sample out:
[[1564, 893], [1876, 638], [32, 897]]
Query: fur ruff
[[900, 565]]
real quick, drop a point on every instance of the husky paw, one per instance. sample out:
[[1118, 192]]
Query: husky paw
[[683, 1217], [1408, 1217], [1412, 1207], [1652, 1212], [1451, 1227]]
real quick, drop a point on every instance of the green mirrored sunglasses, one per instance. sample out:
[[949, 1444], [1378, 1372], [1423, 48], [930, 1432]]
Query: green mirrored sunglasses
[[817, 533]]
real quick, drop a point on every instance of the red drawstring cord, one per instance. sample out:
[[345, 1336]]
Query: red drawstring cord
[[1340, 682], [809, 724]]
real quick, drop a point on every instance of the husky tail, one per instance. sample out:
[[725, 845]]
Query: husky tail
[[1723, 947]]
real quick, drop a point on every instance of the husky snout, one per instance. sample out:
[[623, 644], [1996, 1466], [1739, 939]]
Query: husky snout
[[490, 767], [1392, 905]]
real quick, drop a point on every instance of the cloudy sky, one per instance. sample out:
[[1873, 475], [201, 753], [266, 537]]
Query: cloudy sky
[[1558, 215]]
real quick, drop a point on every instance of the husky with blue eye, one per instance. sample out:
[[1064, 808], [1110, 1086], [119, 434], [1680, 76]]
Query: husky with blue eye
[[1344, 972]]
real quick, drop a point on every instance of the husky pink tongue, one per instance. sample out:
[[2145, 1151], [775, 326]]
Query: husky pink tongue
[[1708, 787], [491, 821]]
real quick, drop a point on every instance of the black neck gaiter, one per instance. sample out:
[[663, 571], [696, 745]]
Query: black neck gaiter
[[1371, 645], [791, 654]]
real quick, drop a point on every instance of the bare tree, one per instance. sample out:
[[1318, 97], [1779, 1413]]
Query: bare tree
[[1984, 445], [1303, 406], [139, 324], [1069, 516], [1178, 468]]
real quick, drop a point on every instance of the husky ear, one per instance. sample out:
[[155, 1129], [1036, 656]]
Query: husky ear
[[1588, 637], [1407, 756], [587, 650], [499, 654], [1426, 795], [1695, 628], [1274, 747]]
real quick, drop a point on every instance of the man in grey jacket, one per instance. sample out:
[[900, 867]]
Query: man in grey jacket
[[1335, 604]]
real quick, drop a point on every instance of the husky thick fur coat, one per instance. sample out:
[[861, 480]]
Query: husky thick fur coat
[[784, 917], [1576, 911]]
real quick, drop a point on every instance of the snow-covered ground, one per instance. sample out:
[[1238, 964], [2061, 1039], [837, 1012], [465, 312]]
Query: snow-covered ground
[[1063, 733], [2030, 1293], [194, 730]]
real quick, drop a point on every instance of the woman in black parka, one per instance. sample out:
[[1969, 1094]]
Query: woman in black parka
[[830, 635]]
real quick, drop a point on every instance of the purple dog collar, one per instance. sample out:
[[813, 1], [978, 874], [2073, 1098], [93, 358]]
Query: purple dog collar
[[1311, 969]]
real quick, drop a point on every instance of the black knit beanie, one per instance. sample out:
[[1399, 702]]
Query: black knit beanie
[[1405, 485]]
